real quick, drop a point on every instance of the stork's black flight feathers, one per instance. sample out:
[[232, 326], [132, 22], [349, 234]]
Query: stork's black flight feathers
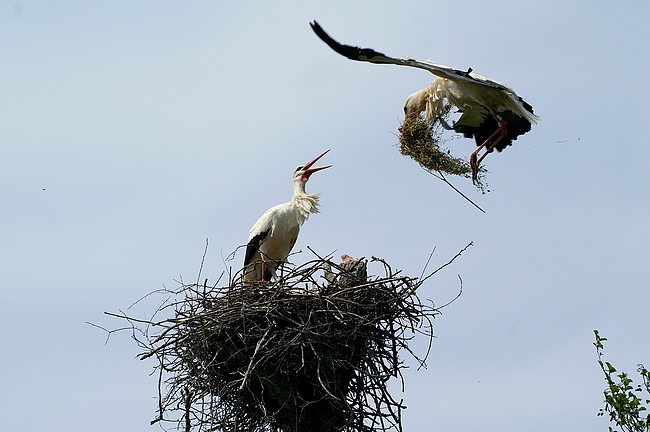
[[372, 56], [254, 245]]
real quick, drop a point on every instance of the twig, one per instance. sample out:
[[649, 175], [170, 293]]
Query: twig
[[250, 363], [442, 177], [460, 291], [205, 252], [188, 406], [110, 332], [427, 263], [448, 262]]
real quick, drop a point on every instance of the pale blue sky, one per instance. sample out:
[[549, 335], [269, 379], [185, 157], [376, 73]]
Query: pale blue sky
[[131, 131]]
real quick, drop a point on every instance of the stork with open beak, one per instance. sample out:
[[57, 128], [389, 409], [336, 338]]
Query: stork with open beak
[[491, 112], [275, 233]]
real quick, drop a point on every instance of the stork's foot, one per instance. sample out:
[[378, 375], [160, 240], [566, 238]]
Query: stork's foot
[[475, 160], [473, 163]]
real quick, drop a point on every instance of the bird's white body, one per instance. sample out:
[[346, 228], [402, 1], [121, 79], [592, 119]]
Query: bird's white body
[[471, 98], [282, 223], [275, 233]]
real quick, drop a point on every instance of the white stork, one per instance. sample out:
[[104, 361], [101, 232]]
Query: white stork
[[491, 112], [275, 233]]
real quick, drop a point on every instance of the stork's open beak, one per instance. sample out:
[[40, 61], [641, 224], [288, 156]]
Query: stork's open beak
[[307, 168]]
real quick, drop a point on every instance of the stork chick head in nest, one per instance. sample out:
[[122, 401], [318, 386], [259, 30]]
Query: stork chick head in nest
[[302, 173]]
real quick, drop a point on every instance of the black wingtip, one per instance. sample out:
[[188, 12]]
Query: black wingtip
[[315, 26], [348, 51], [321, 33]]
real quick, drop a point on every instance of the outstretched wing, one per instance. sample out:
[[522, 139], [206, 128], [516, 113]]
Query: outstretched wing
[[372, 56]]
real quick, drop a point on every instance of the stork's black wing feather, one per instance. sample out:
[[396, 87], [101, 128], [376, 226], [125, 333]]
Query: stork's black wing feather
[[349, 51], [517, 126], [372, 56], [254, 245]]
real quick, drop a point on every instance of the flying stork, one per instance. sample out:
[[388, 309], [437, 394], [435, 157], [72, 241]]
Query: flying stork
[[275, 233], [491, 112]]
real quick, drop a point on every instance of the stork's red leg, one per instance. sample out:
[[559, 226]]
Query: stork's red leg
[[504, 132], [497, 136], [281, 279]]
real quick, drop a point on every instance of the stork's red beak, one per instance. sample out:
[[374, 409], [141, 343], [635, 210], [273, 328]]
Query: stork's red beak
[[307, 168]]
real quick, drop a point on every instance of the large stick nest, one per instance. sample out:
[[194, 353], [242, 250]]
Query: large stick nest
[[302, 353]]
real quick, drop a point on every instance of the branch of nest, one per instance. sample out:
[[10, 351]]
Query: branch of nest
[[308, 351]]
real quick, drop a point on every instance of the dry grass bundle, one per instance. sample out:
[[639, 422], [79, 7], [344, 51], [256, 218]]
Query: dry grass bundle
[[423, 142], [302, 353]]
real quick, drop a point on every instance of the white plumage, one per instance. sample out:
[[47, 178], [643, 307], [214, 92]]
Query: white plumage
[[275, 233], [490, 111]]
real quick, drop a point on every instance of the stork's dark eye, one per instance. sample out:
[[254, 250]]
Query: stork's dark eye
[[298, 169]]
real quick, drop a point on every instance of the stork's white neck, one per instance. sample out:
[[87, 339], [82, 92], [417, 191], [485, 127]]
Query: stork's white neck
[[304, 202]]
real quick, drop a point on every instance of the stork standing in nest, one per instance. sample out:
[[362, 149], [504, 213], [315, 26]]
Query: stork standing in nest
[[275, 233], [491, 112]]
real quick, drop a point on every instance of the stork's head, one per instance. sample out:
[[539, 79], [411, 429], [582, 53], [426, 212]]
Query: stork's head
[[415, 103], [302, 173]]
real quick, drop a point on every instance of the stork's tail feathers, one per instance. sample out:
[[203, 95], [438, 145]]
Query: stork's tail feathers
[[532, 118]]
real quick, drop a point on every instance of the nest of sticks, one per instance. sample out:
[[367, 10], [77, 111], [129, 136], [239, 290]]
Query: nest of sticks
[[424, 142], [313, 350]]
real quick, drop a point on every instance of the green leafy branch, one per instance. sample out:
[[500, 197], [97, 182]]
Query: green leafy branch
[[624, 407]]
